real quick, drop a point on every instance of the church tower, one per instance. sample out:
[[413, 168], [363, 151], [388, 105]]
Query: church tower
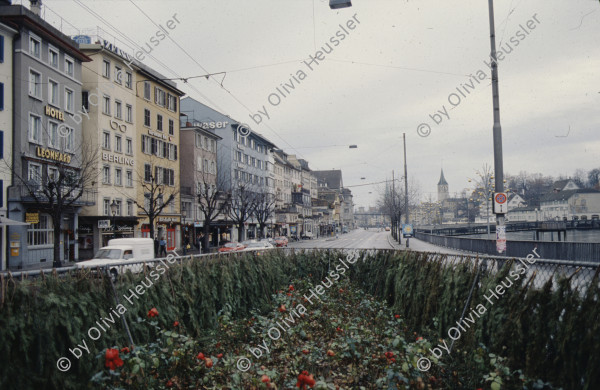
[[442, 188]]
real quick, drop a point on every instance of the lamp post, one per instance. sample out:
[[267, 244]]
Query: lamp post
[[113, 211]]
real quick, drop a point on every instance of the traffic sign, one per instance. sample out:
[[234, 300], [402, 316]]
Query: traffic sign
[[500, 203], [407, 230]]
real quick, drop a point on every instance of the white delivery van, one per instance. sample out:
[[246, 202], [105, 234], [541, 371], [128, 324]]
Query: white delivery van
[[120, 250]]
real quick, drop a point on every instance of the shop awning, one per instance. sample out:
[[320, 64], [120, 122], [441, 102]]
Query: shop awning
[[11, 222]]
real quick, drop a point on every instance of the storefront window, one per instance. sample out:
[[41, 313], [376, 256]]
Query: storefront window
[[41, 233]]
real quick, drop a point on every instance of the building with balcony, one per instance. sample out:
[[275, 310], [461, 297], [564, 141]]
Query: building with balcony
[[47, 141]]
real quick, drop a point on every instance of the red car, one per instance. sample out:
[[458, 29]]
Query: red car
[[232, 247], [280, 241]]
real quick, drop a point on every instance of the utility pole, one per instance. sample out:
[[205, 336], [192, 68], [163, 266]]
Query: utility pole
[[405, 186], [497, 130]]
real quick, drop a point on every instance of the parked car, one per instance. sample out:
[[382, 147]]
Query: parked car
[[120, 250], [307, 236], [387, 228], [281, 241], [232, 247]]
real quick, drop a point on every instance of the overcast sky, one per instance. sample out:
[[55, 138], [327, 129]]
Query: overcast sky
[[391, 72]]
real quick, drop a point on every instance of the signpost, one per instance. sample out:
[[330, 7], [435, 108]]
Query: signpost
[[501, 238], [407, 230]]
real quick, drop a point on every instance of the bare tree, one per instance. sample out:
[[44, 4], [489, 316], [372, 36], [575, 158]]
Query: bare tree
[[242, 205], [159, 191], [264, 208], [66, 185], [213, 201]]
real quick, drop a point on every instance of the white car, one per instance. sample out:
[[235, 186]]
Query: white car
[[122, 250]]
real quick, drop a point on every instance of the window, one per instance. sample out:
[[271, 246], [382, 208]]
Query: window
[[129, 178], [105, 140], [1, 146], [147, 90], [119, 203], [171, 127], [106, 69], [172, 152], [69, 102], [106, 174], [69, 135], [53, 174], [145, 144], [118, 143], [35, 125], [118, 176], [204, 143], [130, 208], [53, 92], [172, 206], [213, 145], [53, 140], [128, 113], [212, 168], [147, 173], [85, 101], [146, 117], [69, 66], [1, 95], [118, 109], [34, 173], [1, 48], [106, 105], [206, 165], [128, 146], [128, 80], [199, 164], [35, 84], [253, 162], [53, 58], [172, 102], [159, 96], [41, 233], [118, 75], [160, 148], [34, 46], [159, 121], [238, 156], [106, 206]]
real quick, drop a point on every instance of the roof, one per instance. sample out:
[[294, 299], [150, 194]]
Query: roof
[[566, 194], [561, 184], [332, 178], [18, 15], [442, 181]]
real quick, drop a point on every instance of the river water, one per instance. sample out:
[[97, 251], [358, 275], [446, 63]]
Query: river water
[[572, 235]]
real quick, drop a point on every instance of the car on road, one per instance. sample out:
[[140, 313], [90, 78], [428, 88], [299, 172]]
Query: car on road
[[232, 247], [280, 241], [121, 250], [387, 228], [307, 236]]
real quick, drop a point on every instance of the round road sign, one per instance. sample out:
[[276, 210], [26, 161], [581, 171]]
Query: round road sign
[[500, 198]]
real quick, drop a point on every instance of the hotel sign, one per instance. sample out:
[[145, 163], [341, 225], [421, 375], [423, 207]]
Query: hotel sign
[[155, 134], [55, 113], [52, 155], [109, 46]]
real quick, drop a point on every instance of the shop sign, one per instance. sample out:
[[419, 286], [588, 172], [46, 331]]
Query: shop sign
[[32, 218], [118, 159], [155, 134], [103, 223]]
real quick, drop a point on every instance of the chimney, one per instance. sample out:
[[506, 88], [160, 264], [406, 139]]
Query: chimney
[[36, 7], [188, 124]]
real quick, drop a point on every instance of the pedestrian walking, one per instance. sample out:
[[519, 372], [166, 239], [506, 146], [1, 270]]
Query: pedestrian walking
[[162, 247]]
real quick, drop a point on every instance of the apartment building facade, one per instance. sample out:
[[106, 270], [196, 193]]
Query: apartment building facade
[[46, 139], [109, 125], [158, 140]]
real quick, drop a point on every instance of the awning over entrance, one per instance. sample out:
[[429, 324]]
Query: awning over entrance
[[10, 222]]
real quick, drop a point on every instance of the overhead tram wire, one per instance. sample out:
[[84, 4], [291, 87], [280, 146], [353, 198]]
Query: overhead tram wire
[[129, 40], [205, 70]]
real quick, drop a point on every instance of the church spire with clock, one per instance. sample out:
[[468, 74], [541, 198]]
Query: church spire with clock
[[442, 188]]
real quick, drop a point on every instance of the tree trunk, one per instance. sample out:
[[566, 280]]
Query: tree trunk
[[240, 232], [205, 239], [56, 219]]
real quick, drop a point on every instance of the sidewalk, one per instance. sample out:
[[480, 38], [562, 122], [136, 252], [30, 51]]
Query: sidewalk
[[423, 246]]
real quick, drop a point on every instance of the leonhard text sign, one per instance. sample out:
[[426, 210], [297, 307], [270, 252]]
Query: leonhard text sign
[[52, 155]]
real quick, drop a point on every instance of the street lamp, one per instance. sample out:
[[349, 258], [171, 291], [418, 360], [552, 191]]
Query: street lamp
[[113, 211]]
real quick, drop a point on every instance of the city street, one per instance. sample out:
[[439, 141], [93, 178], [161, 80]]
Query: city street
[[369, 239]]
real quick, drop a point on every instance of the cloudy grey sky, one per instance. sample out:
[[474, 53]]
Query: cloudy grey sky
[[396, 68]]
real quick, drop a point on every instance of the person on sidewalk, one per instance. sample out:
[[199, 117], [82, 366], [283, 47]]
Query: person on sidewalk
[[162, 247]]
